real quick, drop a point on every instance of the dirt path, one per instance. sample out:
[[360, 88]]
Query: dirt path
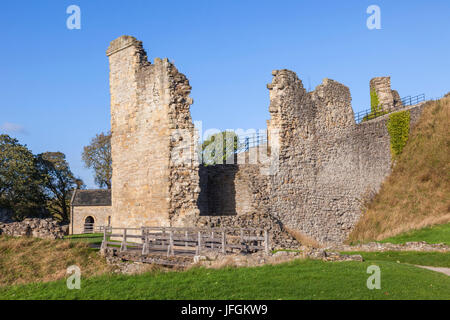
[[443, 270]]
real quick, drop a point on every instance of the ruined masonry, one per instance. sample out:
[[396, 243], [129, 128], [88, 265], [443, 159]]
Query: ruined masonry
[[327, 164]]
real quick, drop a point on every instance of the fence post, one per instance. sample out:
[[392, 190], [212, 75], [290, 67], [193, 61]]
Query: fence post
[[186, 238], [104, 243], [199, 245], [123, 246], [212, 239], [171, 242], [223, 242], [266, 242], [145, 249]]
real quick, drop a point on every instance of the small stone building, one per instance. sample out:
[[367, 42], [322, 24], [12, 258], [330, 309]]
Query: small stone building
[[90, 209]]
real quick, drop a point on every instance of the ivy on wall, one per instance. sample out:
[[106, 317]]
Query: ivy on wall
[[374, 101], [398, 128], [375, 108]]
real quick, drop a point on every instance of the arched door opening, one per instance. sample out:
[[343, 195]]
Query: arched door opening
[[89, 225]]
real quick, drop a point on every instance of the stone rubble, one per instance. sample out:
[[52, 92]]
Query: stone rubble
[[215, 260], [380, 247], [121, 266], [34, 227]]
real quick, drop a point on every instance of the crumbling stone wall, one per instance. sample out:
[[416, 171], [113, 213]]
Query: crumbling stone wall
[[327, 165], [231, 189], [34, 227], [387, 97], [151, 130]]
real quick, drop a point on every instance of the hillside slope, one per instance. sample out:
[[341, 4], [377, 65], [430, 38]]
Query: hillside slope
[[417, 193], [24, 260]]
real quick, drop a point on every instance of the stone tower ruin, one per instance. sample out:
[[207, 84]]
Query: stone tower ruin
[[387, 98], [149, 119]]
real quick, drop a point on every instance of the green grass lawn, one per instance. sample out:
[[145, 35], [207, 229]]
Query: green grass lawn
[[300, 279], [434, 234], [434, 259], [93, 238]]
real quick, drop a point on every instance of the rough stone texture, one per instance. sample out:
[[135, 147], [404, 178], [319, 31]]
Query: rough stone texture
[[215, 260], [100, 214], [327, 164], [380, 247], [387, 97], [34, 227], [230, 189], [151, 129], [235, 196]]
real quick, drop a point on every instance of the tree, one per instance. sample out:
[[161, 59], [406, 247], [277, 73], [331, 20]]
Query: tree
[[97, 156], [58, 182], [21, 188], [217, 148]]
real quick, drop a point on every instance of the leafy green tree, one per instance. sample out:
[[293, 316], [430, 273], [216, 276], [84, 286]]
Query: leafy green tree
[[217, 148], [97, 156], [21, 184], [58, 182]]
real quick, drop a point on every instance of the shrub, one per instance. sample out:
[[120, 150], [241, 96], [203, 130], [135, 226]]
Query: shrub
[[398, 128]]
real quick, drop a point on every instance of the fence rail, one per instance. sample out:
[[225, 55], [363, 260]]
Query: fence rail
[[186, 241], [247, 142], [370, 114], [92, 228]]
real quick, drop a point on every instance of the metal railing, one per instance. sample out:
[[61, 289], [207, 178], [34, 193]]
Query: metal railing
[[254, 140], [370, 114]]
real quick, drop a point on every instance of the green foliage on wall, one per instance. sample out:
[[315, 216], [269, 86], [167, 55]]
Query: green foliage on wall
[[398, 128], [374, 101], [375, 107]]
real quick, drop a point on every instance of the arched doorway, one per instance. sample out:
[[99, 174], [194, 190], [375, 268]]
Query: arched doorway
[[89, 225]]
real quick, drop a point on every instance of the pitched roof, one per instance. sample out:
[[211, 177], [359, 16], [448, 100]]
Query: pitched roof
[[99, 197]]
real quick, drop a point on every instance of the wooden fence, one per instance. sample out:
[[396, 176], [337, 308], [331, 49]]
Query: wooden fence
[[185, 241], [92, 228]]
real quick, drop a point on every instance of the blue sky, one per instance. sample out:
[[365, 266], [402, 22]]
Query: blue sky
[[54, 81]]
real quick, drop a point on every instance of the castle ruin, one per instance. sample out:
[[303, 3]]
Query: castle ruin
[[326, 163]]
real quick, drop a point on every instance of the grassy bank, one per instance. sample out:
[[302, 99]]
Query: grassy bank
[[416, 194], [434, 234], [434, 259], [300, 279], [24, 260]]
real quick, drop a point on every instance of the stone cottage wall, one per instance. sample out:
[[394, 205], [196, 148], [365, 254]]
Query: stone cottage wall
[[100, 214]]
